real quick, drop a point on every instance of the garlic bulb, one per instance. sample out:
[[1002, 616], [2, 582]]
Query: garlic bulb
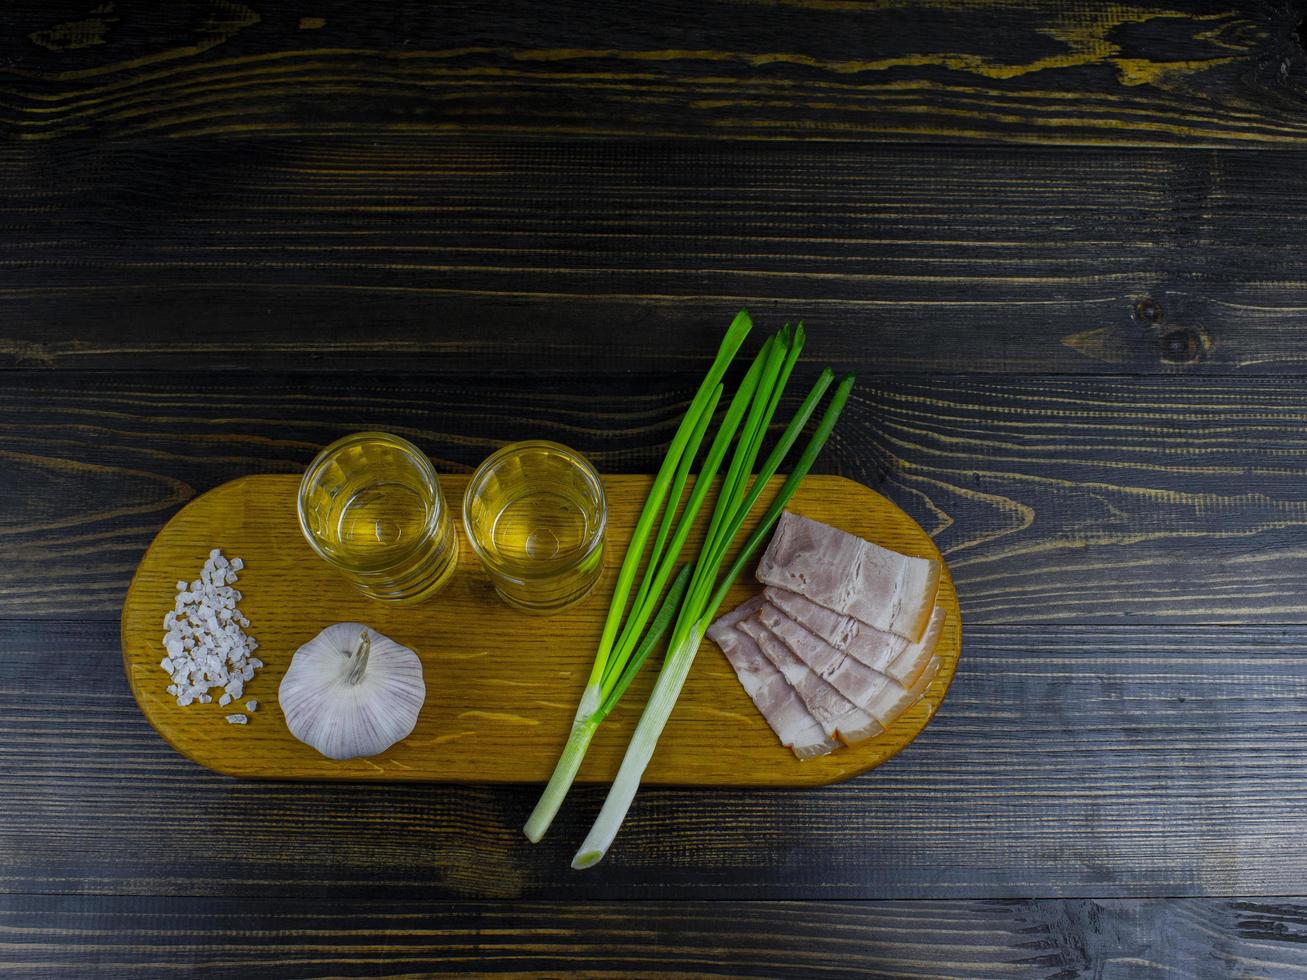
[[352, 692]]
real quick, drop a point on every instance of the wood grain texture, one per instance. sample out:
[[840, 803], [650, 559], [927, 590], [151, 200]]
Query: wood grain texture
[[121, 937], [1134, 73], [475, 256], [1174, 500], [230, 231], [1068, 762], [501, 686]]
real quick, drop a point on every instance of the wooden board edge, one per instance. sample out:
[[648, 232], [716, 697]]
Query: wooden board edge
[[123, 622]]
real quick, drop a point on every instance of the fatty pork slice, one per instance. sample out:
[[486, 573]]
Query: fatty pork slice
[[837, 714], [771, 693], [882, 697], [875, 648], [895, 699], [891, 655], [891, 592], [912, 662], [856, 681]]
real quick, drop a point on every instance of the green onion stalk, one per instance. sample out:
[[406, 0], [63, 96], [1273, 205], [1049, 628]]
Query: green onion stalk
[[698, 610], [618, 649], [694, 595]]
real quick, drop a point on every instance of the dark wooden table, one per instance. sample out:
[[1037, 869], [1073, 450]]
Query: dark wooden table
[[1064, 246]]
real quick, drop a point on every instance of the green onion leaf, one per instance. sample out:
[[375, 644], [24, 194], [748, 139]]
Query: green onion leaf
[[735, 335], [696, 615], [630, 635], [659, 626]]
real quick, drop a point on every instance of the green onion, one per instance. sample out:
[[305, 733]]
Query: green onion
[[739, 329], [702, 483], [696, 615], [656, 630], [758, 378], [673, 501], [607, 670], [629, 636], [734, 486], [569, 763]]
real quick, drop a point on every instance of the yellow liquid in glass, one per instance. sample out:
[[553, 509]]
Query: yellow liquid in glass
[[536, 515], [378, 522], [373, 508], [540, 526]]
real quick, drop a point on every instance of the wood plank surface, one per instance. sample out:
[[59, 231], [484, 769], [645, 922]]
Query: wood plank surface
[[231, 231], [475, 256], [1067, 762], [501, 686], [124, 937], [1140, 72], [1170, 500]]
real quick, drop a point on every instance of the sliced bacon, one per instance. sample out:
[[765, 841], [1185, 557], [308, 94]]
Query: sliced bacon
[[856, 681], [891, 592], [875, 648], [884, 652], [780, 706], [910, 664], [882, 697], [837, 714], [895, 698]]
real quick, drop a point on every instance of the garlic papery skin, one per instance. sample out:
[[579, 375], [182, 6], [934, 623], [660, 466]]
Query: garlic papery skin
[[352, 692]]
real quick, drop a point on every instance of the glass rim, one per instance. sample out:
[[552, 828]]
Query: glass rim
[[320, 461], [582, 465]]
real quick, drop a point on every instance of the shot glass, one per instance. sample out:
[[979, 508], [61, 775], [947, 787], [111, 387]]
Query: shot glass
[[535, 514], [371, 506]]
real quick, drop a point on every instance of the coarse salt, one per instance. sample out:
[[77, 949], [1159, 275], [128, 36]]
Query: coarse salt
[[205, 640]]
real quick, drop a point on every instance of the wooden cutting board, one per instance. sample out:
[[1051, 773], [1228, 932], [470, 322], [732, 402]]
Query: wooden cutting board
[[502, 686]]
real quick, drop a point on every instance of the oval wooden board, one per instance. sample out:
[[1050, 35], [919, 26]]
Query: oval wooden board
[[502, 686]]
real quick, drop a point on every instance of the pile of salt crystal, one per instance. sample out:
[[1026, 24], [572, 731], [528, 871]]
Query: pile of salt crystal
[[206, 641]]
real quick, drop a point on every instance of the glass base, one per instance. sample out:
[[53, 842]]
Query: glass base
[[421, 591], [552, 608]]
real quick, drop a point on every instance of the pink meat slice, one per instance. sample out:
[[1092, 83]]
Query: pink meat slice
[[896, 699], [770, 692], [885, 652], [910, 664], [880, 696], [875, 648], [856, 681], [837, 714], [888, 591]]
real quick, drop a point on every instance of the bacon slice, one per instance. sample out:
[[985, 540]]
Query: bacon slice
[[855, 680], [780, 706], [888, 591], [875, 648], [880, 696], [885, 652], [896, 699], [836, 713], [912, 662]]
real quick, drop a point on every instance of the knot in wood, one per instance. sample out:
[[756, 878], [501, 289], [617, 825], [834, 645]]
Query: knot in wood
[[1182, 347], [1147, 311]]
